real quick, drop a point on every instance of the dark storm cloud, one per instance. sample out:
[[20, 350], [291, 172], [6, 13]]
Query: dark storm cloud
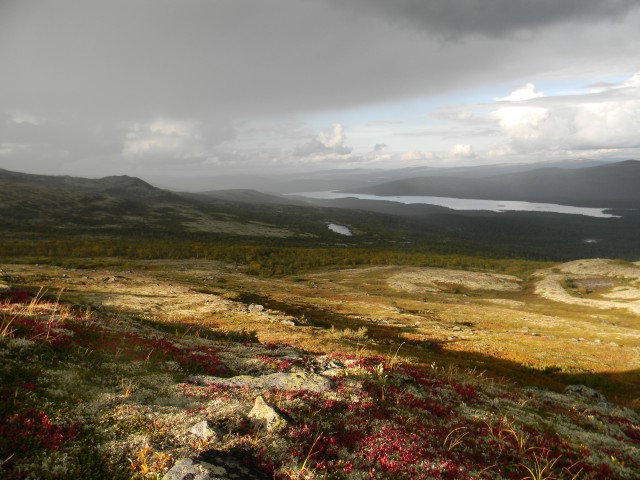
[[452, 18], [241, 57]]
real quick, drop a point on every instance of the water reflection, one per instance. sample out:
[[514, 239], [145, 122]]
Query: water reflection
[[468, 203]]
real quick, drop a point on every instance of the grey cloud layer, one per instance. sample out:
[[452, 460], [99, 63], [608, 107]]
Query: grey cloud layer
[[453, 18], [254, 57], [100, 73]]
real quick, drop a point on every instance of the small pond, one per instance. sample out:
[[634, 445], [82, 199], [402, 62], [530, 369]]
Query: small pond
[[341, 229]]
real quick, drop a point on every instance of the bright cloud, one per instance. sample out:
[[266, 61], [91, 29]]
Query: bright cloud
[[333, 137], [603, 119], [328, 144], [521, 123], [527, 92], [462, 151], [416, 155]]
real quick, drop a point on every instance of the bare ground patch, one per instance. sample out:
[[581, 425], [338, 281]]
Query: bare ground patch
[[438, 279], [603, 273]]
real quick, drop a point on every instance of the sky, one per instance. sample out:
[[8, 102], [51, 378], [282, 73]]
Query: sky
[[213, 87]]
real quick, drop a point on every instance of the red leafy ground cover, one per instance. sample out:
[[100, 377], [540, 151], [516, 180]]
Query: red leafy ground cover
[[414, 436], [16, 296], [381, 420], [33, 429]]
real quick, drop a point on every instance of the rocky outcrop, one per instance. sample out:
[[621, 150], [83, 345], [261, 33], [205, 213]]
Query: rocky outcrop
[[585, 392], [280, 381], [215, 465]]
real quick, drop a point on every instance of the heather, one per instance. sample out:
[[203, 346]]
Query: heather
[[91, 393]]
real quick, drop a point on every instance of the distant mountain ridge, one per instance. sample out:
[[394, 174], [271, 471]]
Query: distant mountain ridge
[[37, 206], [615, 185], [65, 201], [347, 178]]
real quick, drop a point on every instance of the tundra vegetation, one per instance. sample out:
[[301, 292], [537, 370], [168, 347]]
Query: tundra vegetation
[[109, 365], [144, 333]]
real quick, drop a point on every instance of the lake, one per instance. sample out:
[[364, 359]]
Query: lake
[[341, 229], [467, 203]]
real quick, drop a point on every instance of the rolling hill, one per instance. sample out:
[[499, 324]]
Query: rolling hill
[[54, 207]]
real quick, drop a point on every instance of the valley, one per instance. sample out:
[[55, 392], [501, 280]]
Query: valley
[[152, 334]]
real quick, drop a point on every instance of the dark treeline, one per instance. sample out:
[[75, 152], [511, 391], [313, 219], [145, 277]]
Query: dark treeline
[[264, 260]]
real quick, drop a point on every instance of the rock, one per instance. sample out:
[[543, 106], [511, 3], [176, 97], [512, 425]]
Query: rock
[[203, 430], [215, 465], [298, 381], [264, 416], [256, 308], [281, 381], [325, 365], [585, 392], [192, 469], [291, 358]]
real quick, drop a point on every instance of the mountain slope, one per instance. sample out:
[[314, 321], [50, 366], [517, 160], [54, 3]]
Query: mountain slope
[[36, 205], [249, 196], [613, 186], [116, 203]]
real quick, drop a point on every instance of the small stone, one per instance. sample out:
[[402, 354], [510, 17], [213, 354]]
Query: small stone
[[291, 358], [256, 308], [216, 465], [263, 415], [597, 341], [613, 344], [203, 430], [193, 469]]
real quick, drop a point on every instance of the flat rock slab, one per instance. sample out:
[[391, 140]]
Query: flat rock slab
[[280, 381], [216, 465]]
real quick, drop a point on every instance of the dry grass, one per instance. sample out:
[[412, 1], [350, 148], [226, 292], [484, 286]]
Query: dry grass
[[125, 375], [510, 331]]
